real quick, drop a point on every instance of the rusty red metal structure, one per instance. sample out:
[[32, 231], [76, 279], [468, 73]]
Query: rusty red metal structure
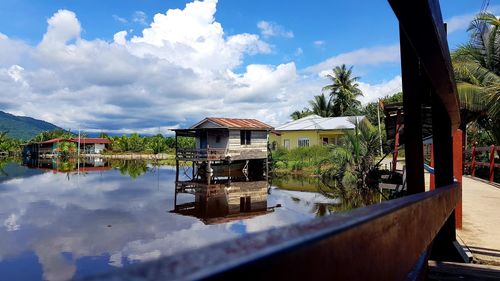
[[491, 150], [389, 241]]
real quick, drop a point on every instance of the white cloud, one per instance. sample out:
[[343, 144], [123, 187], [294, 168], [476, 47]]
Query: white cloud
[[181, 69], [120, 19], [462, 22], [319, 43], [365, 56], [11, 223], [139, 17], [459, 22], [299, 52], [272, 29], [380, 90]]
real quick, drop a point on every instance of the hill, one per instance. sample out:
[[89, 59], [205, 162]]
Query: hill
[[22, 127]]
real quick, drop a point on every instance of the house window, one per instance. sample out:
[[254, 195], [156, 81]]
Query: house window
[[325, 141], [303, 142], [286, 144], [245, 137], [217, 139]]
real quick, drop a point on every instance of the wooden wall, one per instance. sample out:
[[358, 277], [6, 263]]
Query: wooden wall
[[257, 149]]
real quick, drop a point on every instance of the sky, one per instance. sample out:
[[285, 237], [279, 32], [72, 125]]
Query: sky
[[123, 66]]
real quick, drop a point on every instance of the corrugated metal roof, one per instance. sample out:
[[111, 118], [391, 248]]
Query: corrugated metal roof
[[236, 123], [315, 122], [92, 140], [52, 140], [82, 140]]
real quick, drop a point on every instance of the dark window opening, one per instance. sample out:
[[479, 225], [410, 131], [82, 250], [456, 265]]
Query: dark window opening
[[245, 137], [217, 139]]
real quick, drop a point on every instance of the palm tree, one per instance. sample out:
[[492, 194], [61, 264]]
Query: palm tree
[[321, 106], [477, 71], [351, 163], [298, 114], [344, 90]]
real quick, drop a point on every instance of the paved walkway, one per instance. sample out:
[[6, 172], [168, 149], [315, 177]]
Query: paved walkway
[[481, 220]]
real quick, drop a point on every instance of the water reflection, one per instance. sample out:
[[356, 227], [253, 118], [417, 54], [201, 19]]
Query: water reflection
[[342, 198], [224, 201], [55, 227]]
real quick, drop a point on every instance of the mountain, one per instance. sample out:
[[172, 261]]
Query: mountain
[[22, 127]]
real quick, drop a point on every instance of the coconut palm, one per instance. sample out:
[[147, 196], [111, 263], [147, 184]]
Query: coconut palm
[[301, 114], [477, 71], [321, 106], [344, 90]]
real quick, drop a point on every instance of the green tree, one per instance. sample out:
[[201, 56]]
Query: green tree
[[351, 163], [477, 70], [344, 90], [301, 114], [321, 106], [48, 135]]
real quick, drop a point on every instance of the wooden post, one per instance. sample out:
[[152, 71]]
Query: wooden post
[[413, 88], [432, 181], [492, 163], [473, 162], [444, 246], [457, 172], [176, 159]]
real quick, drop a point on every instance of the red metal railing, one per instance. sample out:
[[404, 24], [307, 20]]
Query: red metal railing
[[491, 164]]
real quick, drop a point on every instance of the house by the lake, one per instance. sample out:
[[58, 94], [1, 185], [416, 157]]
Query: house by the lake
[[312, 130], [55, 146], [221, 141]]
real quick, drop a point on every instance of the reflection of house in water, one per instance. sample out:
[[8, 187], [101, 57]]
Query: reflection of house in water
[[223, 202], [53, 146], [56, 165]]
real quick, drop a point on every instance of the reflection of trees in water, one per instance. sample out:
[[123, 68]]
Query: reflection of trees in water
[[350, 197], [344, 197], [5, 161], [132, 168]]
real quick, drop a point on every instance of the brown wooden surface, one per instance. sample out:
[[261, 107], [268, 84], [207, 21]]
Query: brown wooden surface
[[413, 87]]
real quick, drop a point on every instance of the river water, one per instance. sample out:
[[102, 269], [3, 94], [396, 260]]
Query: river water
[[66, 220]]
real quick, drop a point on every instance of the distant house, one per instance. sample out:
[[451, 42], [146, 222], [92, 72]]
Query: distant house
[[226, 138], [92, 145], [312, 130], [53, 146]]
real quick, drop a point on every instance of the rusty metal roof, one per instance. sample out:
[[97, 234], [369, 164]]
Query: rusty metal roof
[[92, 140], [236, 123], [82, 140]]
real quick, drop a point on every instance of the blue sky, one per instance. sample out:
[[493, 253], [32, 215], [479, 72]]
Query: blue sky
[[248, 57]]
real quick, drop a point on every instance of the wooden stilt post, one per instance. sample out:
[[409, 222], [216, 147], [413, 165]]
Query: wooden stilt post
[[176, 159], [396, 142]]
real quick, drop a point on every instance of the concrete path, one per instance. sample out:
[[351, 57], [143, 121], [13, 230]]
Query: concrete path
[[481, 220]]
